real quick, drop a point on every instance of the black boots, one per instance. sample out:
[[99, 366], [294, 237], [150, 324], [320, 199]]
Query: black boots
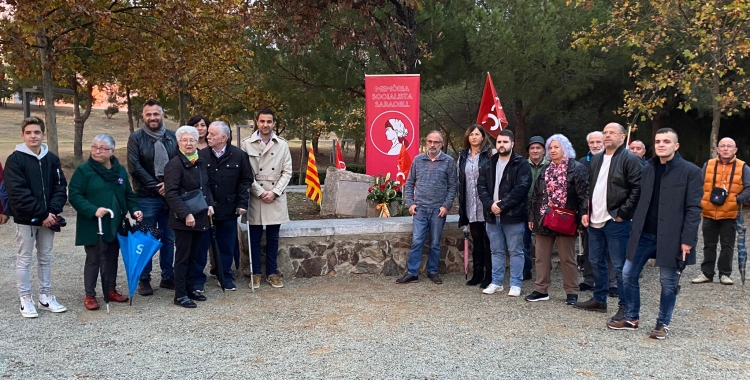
[[476, 278]]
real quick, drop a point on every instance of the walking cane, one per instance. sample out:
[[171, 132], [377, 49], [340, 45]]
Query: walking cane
[[250, 253]]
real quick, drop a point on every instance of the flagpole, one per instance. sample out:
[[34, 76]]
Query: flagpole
[[627, 144]]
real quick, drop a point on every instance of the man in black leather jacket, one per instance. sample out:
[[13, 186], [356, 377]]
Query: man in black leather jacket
[[149, 150], [614, 179]]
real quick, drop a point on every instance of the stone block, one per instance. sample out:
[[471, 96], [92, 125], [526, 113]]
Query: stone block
[[345, 193]]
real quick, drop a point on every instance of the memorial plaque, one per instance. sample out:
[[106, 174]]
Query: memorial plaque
[[352, 198]]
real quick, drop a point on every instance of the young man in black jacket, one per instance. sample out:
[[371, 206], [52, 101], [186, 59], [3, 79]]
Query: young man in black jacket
[[37, 194], [614, 188], [149, 150], [665, 225], [503, 186], [230, 177]]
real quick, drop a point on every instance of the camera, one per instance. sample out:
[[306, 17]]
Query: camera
[[59, 223]]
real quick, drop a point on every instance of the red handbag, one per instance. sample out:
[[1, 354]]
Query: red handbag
[[560, 220]]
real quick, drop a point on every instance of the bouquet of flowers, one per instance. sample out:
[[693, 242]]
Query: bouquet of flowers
[[383, 192]]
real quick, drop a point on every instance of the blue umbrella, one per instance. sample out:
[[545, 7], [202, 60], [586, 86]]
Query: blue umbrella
[[137, 250], [741, 248]]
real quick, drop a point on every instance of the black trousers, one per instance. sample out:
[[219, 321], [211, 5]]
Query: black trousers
[[93, 263], [480, 254], [186, 255], [715, 231]]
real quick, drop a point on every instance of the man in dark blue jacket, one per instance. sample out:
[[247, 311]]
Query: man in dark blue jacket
[[37, 192], [665, 224], [503, 186], [230, 177]]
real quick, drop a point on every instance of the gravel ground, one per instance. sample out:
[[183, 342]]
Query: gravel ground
[[363, 327]]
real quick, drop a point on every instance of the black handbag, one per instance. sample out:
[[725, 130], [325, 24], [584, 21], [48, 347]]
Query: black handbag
[[194, 200], [719, 194]]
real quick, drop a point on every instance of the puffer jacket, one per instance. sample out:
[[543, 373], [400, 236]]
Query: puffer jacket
[[513, 192], [141, 161], [577, 196], [35, 184], [623, 183]]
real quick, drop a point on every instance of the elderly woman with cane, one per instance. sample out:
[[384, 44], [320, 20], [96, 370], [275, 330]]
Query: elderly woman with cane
[[99, 185], [190, 204]]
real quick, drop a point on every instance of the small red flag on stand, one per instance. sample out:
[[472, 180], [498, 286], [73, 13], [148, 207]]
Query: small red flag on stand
[[311, 179], [491, 115], [340, 164], [403, 166]]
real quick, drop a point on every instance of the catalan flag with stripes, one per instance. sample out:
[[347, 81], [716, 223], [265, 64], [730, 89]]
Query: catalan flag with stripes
[[311, 178]]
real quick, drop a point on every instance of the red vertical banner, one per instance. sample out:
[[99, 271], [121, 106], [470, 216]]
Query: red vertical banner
[[391, 121]]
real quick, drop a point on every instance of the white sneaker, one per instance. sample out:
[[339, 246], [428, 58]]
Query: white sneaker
[[701, 279], [515, 291], [492, 288], [27, 307], [49, 302], [726, 280]]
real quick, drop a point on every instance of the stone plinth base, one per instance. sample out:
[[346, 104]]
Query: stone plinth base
[[356, 246]]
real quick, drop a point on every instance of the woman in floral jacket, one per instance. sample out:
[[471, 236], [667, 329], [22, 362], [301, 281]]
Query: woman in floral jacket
[[563, 183]]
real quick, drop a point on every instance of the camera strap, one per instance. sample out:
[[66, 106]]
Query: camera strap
[[731, 175]]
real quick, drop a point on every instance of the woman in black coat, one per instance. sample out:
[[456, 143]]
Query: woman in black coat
[[476, 152], [184, 173], [563, 183]]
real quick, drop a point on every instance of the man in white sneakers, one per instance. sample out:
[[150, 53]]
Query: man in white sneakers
[[37, 194]]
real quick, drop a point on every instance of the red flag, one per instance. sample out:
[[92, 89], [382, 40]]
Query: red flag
[[340, 164], [311, 179], [491, 115], [403, 166]]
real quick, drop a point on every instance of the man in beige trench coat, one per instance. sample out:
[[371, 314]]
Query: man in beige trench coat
[[272, 165]]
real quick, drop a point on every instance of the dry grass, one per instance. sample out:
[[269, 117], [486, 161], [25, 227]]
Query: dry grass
[[10, 133]]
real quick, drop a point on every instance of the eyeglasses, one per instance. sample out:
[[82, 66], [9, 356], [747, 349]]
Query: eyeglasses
[[726, 147], [188, 141], [99, 149], [610, 133], [430, 142]]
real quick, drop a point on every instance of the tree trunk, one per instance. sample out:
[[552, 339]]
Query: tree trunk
[[520, 132], [656, 124], [315, 140], [79, 120], [716, 111], [130, 110], [357, 147], [45, 54], [302, 155]]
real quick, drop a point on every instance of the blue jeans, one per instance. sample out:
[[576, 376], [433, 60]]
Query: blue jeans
[[156, 214], [613, 237], [632, 271], [506, 238], [425, 221], [272, 247], [527, 263]]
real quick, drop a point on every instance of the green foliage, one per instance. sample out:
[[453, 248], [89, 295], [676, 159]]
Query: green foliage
[[111, 111]]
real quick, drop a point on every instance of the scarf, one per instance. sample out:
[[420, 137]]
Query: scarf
[[111, 175], [556, 180], [191, 157], [160, 151]]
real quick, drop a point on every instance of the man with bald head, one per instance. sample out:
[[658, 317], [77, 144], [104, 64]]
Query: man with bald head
[[428, 194], [638, 148], [726, 186], [614, 179]]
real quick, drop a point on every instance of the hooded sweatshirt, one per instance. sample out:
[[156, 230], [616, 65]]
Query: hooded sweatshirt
[[35, 184]]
